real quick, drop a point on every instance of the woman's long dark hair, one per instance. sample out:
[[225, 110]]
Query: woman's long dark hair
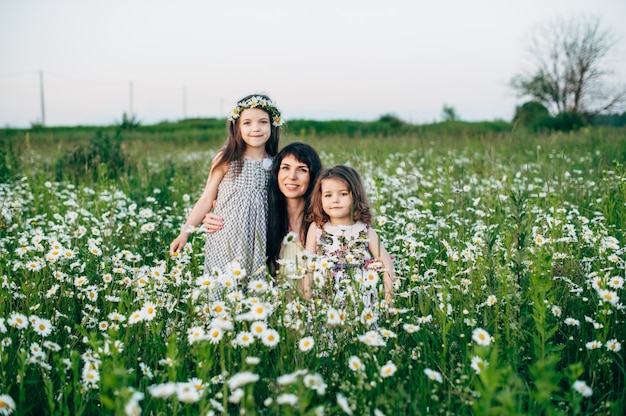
[[278, 219]]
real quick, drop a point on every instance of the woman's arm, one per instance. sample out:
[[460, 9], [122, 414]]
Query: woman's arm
[[378, 251], [202, 207]]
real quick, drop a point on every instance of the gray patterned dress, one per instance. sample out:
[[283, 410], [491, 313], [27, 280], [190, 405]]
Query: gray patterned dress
[[242, 202]]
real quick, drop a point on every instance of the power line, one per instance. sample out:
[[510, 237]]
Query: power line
[[14, 74]]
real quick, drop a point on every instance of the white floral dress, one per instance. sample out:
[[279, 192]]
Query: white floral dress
[[346, 249]]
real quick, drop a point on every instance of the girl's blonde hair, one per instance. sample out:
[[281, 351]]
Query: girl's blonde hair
[[360, 207]]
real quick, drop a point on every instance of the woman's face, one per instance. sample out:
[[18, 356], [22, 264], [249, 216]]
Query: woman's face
[[293, 177]]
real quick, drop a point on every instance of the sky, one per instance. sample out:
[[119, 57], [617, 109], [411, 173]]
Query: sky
[[324, 59]]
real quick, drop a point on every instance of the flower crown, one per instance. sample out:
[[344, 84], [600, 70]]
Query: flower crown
[[257, 102]]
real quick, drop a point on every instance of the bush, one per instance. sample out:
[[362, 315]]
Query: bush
[[102, 157], [531, 115], [9, 159], [566, 121], [536, 117]]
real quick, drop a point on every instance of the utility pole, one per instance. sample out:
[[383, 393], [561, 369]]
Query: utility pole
[[130, 115], [43, 111], [184, 102]]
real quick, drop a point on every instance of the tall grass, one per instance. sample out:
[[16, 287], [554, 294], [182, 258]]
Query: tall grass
[[510, 272]]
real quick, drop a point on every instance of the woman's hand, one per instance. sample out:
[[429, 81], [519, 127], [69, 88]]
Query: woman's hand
[[212, 222]]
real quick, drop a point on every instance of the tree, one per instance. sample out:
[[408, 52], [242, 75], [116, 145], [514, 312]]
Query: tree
[[568, 74], [449, 113]]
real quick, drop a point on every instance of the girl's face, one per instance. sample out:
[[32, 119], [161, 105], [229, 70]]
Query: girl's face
[[337, 201], [293, 177], [255, 127]]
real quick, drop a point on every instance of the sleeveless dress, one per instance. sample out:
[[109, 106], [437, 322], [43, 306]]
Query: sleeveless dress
[[347, 246], [242, 202]]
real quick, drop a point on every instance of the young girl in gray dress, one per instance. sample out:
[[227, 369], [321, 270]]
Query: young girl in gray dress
[[238, 183]]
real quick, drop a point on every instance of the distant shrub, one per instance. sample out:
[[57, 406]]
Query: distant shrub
[[392, 120], [102, 157], [536, 117], [609, 120], [9, 159], [567, 121], [532, 115], [128, 123]]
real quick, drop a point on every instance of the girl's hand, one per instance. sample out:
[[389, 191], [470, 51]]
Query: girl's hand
[[179, 242]]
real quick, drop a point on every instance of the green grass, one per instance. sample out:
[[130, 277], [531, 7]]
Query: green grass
[[520, 236]]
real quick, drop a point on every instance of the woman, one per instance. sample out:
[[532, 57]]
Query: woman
[[294, 172]]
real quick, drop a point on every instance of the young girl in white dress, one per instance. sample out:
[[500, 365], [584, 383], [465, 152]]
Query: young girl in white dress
[[237, 188], [340, 232]]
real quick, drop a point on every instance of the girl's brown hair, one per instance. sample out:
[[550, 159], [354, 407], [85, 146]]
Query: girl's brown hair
[[360, 206], [234, 147]]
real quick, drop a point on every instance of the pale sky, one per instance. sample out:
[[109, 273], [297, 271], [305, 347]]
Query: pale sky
[[322, 59]]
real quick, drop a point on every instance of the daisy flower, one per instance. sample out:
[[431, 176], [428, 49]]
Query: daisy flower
[[593, 345], [433, 375], [17, 320], [478, 364], [355, 364], [333, 317], [258, 286], [306, 344], [288, 399], [370, 278], [7, 404], [481, 337], [241, 379], [149, 311], [253, 360], [195, 334], [270, 338], [205, 282], [388, 369], [368, 317], [245, 338], [616, 282], [316, 383], [236, 270], [342, 402], [215, 335], [259, 311], [582, 388], [187, 393], [42, 327], [410, 328], [135, 317], [258, 328], [613, 345], [608, 296]]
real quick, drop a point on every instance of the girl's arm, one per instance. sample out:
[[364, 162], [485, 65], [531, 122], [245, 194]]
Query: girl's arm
[[311, 247], [378, 251], [202, 207]]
